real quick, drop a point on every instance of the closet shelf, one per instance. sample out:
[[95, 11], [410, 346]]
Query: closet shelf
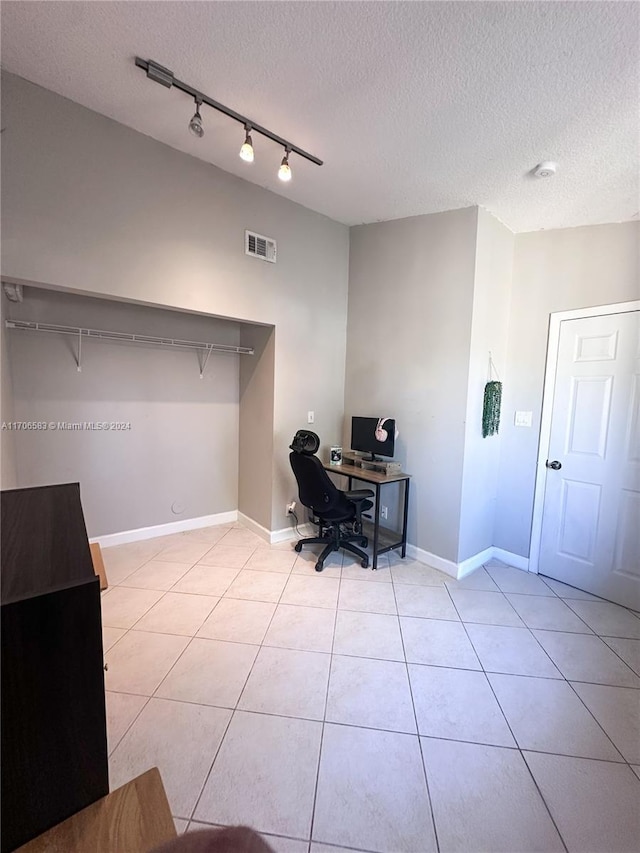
[[150, 340]]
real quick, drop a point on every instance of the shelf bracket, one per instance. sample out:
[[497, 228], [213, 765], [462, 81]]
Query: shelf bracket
[[79, 356], [203, 363]]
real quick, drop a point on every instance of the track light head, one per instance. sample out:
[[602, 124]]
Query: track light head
[[246, 151], [284, 172], [159, 74], [195, 125]]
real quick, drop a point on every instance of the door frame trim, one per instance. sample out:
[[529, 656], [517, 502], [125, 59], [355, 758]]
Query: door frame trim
[[556, 318]]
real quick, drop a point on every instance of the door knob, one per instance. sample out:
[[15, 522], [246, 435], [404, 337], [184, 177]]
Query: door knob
[[555, 465]]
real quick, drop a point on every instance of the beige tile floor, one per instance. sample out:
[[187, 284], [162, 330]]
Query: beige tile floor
[[395, 712]]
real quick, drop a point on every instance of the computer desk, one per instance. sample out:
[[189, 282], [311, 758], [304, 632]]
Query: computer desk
[[354, 472]]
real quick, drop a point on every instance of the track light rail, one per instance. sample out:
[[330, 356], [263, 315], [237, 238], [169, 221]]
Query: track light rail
[[165, 77]]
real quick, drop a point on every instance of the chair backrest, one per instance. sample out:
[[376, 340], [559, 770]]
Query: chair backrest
[[317, 492]]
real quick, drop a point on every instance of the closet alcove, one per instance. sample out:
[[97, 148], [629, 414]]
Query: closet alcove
[[159, 414]]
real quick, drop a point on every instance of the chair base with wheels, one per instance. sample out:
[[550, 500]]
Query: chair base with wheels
[[339, 514], [336, 537]]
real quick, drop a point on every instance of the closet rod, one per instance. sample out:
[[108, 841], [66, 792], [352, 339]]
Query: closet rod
[[125, 336]]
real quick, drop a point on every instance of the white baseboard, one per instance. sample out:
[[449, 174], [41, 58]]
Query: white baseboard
[[273, 537], [472, 563], [141, 533], [511, 559], [256, 528], [286, 534], [461, 570], [446, 566]]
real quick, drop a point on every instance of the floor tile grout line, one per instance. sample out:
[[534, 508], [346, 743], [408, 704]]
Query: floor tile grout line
[[415, 717], [274, 835], [560, 676], [121, 738], [577, 615], [224, 734], [504, 595], [564, 678], [542, 797], [604, 640], [164, 592], [550, 594], [106, 690], [591, 596], [544, 581], [596, 720], [553, 663], [170, 670], [523, 626], [191, 639], [621, 763], [232, 714], [513, 748], [131, 627], [588, 632], [541, 678], [515, 740], [455, 606], [388, 660], [144, 563], [324, 714], [208, 773]]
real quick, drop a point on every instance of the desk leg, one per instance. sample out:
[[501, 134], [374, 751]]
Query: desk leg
[[406, 516], [376, 529]]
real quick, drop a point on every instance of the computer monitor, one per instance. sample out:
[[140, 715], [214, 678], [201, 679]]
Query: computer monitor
[[363, 436]]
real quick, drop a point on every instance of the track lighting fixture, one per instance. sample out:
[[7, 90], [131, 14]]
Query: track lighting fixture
[[284, 172], [195, 125], [166, 78], [246, 151]]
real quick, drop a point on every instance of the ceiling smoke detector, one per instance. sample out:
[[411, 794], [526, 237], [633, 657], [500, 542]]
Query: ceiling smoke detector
[[546, 169]]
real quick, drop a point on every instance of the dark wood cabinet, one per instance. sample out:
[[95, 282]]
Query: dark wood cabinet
[[53, 740]]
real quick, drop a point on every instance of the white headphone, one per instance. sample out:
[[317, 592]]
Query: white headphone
[[380, 433]]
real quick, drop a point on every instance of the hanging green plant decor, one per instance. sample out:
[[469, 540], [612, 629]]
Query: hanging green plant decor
[[491, 408]]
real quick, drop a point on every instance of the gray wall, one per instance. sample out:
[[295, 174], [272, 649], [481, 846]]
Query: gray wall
[[553, 271], [256, 415], [8, 477], [489, 331], [410, 305], [92, 206], [178, 461]]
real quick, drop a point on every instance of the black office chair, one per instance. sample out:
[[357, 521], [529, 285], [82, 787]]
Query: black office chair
[[339, 513]]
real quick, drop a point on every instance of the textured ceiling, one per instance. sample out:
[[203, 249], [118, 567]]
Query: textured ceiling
[[415, 107]]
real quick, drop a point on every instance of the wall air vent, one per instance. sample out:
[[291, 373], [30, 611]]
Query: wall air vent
[[259, 246]]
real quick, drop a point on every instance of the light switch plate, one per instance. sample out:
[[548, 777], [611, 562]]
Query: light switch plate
[[523, 419], [310, 417]]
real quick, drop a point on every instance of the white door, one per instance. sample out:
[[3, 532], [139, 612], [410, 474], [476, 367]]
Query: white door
[[591, 519]]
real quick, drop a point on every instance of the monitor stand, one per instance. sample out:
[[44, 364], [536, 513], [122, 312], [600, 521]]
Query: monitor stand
[[372, 458]]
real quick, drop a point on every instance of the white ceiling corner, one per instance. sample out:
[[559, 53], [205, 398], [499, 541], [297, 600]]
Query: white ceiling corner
[[415, 107]]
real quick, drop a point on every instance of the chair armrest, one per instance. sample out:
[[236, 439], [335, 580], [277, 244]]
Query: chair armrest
[[358, 494]]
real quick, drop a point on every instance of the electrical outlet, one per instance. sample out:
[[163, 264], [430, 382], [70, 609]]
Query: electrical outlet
[[384, 512], [291, 507]]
